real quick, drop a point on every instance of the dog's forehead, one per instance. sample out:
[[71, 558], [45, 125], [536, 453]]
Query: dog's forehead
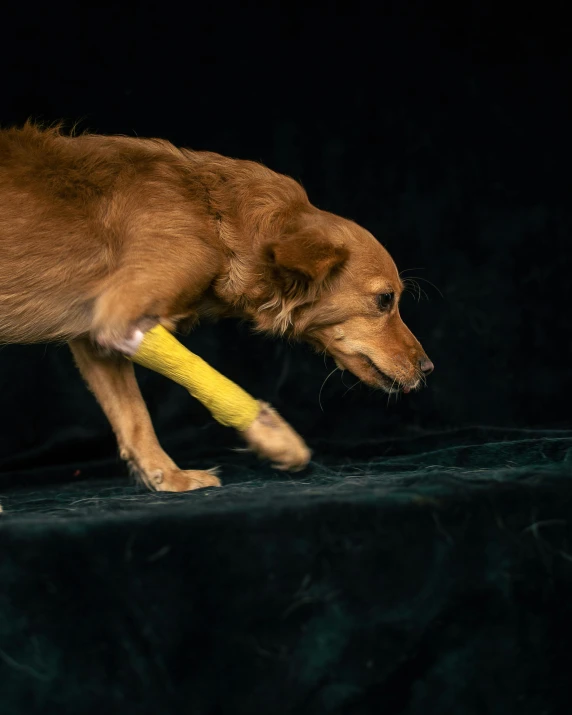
[[376, 267], [369, 262]]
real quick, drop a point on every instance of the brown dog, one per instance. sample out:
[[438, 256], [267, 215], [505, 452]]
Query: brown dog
[[103, 237]]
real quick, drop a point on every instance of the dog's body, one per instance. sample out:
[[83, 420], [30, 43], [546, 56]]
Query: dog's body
[[104, 237]]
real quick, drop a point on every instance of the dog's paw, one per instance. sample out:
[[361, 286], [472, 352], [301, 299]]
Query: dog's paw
[[179, 480], [272, 438]]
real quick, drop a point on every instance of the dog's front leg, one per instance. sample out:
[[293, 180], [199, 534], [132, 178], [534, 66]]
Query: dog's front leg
[[112, 380], [122, 322]]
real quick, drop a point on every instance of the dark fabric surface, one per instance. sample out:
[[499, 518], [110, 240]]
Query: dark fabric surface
[[431, 581], [423, 563]]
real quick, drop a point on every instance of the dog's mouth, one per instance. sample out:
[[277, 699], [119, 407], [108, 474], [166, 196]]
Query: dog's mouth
[[364, 367], [385, 381]]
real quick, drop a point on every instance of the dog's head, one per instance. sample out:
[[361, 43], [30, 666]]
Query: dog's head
[[331, 283]]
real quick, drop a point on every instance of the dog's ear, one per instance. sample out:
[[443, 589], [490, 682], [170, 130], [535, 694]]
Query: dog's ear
[[302, 257]]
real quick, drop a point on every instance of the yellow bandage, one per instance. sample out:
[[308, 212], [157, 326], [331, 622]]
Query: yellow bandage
[[228, 403]]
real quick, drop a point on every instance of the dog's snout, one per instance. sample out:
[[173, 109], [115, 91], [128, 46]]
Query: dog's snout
[[426, 366]]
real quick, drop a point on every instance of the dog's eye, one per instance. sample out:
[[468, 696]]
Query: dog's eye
[[385, 301]]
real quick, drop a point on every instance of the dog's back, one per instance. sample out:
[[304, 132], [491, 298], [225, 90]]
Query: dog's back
[[50, 245], [65, 205]]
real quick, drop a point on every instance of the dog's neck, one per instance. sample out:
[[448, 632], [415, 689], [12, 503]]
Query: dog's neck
[[249, 206]]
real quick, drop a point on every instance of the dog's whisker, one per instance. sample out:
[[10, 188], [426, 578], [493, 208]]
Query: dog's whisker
[[412, 281], [405, 270], [325, 351], [420, 278], [420, 290], [321, 388], [351, 387], [390, 391], [414, 288], [431, 284]]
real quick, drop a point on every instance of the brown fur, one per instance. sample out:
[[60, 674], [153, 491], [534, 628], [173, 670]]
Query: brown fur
[[103, 235]]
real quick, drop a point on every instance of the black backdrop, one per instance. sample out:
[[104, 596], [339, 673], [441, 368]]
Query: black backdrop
[[443, 130]]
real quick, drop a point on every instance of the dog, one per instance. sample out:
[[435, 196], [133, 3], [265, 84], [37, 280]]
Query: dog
[[104, 237]]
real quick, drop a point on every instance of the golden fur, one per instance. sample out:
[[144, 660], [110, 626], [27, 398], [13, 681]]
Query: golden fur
[[100, 236]]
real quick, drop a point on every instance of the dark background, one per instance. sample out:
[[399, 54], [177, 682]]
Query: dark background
[[444, 130]]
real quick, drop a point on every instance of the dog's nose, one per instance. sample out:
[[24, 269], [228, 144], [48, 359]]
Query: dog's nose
[[426, 366]]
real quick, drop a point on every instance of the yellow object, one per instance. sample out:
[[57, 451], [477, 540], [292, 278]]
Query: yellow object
[[229, 404]]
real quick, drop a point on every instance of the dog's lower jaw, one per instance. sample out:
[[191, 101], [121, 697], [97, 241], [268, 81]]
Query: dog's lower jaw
[[370, 374], [388, 384]]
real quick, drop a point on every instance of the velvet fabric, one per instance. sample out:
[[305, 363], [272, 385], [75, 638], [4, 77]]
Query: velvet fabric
[[434, 579]]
